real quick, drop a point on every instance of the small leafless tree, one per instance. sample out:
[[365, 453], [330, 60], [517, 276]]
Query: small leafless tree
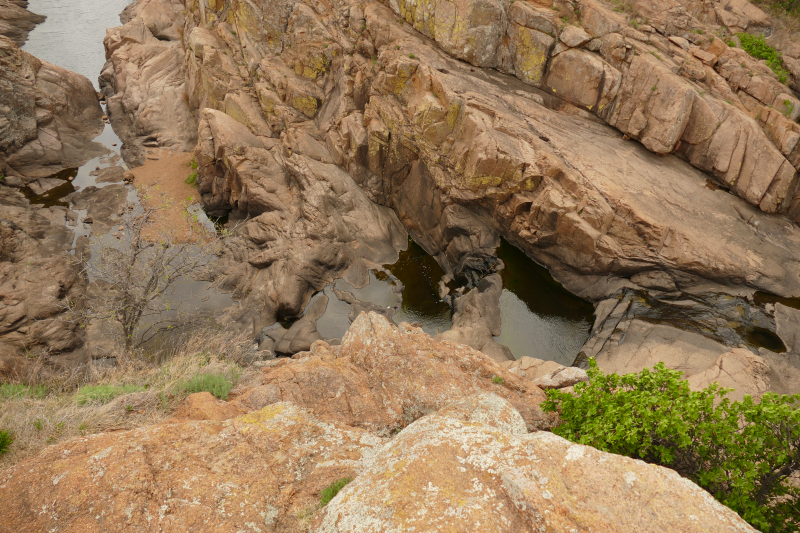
[[133, 271]]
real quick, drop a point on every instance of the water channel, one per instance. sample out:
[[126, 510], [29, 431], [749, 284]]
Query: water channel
[[540, 318]]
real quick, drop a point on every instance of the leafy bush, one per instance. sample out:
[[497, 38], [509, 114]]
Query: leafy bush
[[332, 490], [756, 46], [217, 384], [13, 390], [741, 452], [104, 393], [6, 438]]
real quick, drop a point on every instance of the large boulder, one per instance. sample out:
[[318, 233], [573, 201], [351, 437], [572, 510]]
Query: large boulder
[[472, 467], [48, 117], [384, 377], [262, 470]]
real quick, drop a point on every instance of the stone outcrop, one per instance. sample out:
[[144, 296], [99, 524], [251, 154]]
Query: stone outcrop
[[471, 466], [470, 463], [464, 155], [16, 21], [384, 377], [36, 283], [144, 81], [48, 117]]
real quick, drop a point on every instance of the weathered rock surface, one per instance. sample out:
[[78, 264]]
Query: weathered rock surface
[[16, 21], [383, 377], [36, 282], [144, 80], [476, 319], [464, 155], [48, 117], [252, 473], [471, 467], [463, 457]]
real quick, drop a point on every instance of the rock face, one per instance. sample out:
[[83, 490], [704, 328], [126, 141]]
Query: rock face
[[48, 117], [36, 282], [16, 21], [464, 154], [472, 467], [460, 454], [144, 81], [383, 377]]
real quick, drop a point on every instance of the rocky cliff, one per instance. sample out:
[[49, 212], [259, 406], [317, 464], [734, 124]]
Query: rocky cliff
[[614, 151], [429, 438]]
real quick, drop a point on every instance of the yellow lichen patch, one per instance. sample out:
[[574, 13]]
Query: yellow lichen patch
[[307, 105], [482, 182], [264, 415], [531, 56]]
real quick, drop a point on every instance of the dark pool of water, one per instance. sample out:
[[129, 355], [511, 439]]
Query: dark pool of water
[[420, 274], [540, 318]]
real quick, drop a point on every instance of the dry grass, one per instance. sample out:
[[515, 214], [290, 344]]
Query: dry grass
[[39, 422]]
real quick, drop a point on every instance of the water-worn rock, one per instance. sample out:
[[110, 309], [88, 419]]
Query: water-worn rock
[[37, 281], [48, 117], [16, 21], [471, 468], [384, 377], [144, 81], [463, 155], [739, 369]]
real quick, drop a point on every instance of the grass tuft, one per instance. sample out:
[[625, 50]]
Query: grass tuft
[[6, 438], [217, 384], [16, 390], [104, 393], [332, 490]]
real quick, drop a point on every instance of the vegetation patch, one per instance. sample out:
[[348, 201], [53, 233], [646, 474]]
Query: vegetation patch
[[741, 452], [6, 438], [104, 393], [192, 179], [757, 47], [332, 490], [218, 384], [13, 390]]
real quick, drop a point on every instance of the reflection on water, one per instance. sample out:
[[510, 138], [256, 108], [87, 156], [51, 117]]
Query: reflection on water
[[420, 274], [540, 318]]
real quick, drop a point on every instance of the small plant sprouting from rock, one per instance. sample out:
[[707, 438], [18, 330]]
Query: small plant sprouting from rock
[[498, 380], [6, 438], [757, 47], [788, 107], [332, 490], [412, 56]]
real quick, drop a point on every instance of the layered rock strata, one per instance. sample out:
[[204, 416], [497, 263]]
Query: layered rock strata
[[464, 154]]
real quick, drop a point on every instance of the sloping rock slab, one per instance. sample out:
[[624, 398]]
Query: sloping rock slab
[[458, 470]]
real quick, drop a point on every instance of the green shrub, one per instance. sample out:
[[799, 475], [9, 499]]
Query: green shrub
[[332, 490], [104, 393], [741, 452], [498, 380], [6, 438], [756, 46], [217, 384], [192, 179], [13, 390]]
